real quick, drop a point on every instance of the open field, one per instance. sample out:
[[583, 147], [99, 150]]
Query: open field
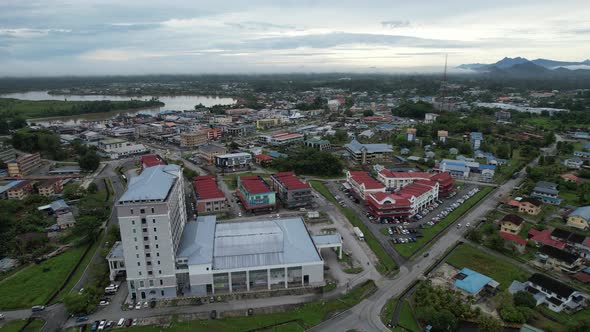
[[299, 319], [503, 272], [386, 263], [408, 249], [17, 325], [36, 284]]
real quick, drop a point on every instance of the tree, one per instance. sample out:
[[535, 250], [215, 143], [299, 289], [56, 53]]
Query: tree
[[76, 303], [87, 227], [368, 113], [92, 188], [524, 299], [503, 151], [489, 324], [89, 161], [465, 148]]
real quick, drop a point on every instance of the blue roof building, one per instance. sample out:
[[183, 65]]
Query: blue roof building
[[473, 282], [476, 138]]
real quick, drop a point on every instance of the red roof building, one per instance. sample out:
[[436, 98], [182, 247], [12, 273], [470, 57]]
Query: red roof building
[[363, 184], [404, 203], [398, 180], [255, 194], [150, 160], [290, 190], [209, 198], [263, 160], [544, 237]]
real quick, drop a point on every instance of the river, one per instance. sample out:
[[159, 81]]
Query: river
[[172, 103]]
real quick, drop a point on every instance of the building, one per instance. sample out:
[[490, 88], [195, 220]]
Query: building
[[233, 162], [368, 153], [152, 217], [150, 160], [268, 123], [546, 192], [318, 144], [476, 139], [242, 130], [238, 111], [582, 154], [551, 293], [430, 117], [363, 184], [559, 260], [443, 136], [411, 134], [221, 119], [515, 241], [209, 151], [286, 139], [23, 165], [213, 134], [503, 115], [50, 187], [530, 206], [291, 191], [544, 238], [190, 139], [255, 194], [511, 224], [7, 153], [579, 218], [574, 163], [19, 190], [569, 177], [263, 160], [474, 282], [66, 220], [209, 198], [234, 257], [117, 148], [404, 203], [397, 180]]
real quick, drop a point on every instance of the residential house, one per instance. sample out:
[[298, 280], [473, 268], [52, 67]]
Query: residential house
[[515, 241], [546, 192], [430, 117], [579, 218], [530, 206], [543, 237], [475, 283], [66, 220], [511, 224], [263, 160], [551, 293], [443, 136], [410, 134], [582, 154], [318, 144], [20, 190], [575, 163], [50, 187], [550, 257], [569, 177]]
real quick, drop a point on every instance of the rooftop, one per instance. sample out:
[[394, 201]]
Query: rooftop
[[582, 212], [357, 147], [153, 184], [558, 254], [149, 160], [552, 285], [473, 281], [233, 245], [290, 181], [254, 184], [363, 178], [206, 187]]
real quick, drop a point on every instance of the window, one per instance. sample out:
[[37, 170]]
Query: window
[[157, 246], [152, 210], [136, 255], [150, 273], [134, 230], [138, 263], [141, 283], [132, 222], [142, 211], [153, 221], [148, 255], [158, 254], [136, 248], [131, 211], [144, 230], [143, 221], [160, 271], [155, 230], [151, 283], [149, 263], [162, 292], [147, 246], [145, 238], [156, 237], [161, 282], [158, 262], [135, 239], [139, 272]]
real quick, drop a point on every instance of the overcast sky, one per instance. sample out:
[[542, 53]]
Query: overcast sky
[[79, 37]]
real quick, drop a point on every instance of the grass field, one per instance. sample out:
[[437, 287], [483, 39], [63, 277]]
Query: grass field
[[80, 270], [406, 321], [386, 263], [17, 325], [299, 319], [503, 272], [408, 249], [33, 286]]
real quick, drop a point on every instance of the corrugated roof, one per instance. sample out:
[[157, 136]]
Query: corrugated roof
[[327, 239], [362, 177], [154, 183], [197, 240], [290, 181], [206, 188], [473, 282], [357, 147], [254, 184]]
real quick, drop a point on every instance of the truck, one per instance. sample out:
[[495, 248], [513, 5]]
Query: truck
[[359, 234]]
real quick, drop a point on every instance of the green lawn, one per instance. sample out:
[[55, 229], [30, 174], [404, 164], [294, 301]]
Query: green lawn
[[386, 263], [17, 325], [471, 257], [32, 286], [564, 318], [408, 249], [80, 270], [568, 197], [299, 319], [406, 321]]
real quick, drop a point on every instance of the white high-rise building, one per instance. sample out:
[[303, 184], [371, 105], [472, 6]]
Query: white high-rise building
[[152, 215]]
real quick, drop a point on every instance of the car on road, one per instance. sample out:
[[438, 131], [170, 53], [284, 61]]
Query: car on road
[[459, 225], [1, 316], [103, 302], [130, 306], [426, 254], [138, 305], [468, 224], [81, 319], [38, 308], [145, 304]]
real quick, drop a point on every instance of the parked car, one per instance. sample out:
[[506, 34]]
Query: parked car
[[426, 254], [145, 304], [38, 308], [129, 322], [109, 324], [102, 324], [1, 316], [138, 305], [134, 322], [121, 322], [94, 325], [81, 319]]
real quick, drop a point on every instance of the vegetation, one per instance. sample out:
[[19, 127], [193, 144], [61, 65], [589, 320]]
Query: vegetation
[[386, 263], [43, 141], [310, 162], [409, 249], [503, 272], [299, 319], [19, 326]]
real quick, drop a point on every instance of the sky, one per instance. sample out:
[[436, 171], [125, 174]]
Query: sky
[[122, 37]]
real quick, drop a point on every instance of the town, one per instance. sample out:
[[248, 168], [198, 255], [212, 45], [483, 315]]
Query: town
[[280, 209]]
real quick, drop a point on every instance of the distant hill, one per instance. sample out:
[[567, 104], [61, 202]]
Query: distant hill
[[519, 67]]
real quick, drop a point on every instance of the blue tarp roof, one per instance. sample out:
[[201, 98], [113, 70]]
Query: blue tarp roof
[[473, 282]]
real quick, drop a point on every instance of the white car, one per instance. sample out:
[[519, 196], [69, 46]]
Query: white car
[[138, 305], [458, 225], [468, 224], [1, 316], [102, 325], [103, 303]]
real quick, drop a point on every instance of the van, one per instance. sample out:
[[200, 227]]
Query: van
[[38, 308], [121, 322]]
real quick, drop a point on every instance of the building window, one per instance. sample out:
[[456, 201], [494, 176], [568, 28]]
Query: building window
[[142, 211], [143, 221], [138, 263], [162, 292], [161, 282], [158, 262], [160, 271], [156, 237], [136, 248], [150, 273], [137, 255], [155, 229], [149, 263], [151, 283], [145, 238], [132, 222], [148, 255], [134, 230], [144, 230], [152, 210], [135, 239], [157, 246], [153, 221], [131, 211], [141, 284], [147, 246], [158, 254], [139, 272]]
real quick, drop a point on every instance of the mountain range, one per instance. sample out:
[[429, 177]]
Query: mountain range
[[520, 63]]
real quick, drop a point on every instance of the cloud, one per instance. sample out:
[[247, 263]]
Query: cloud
[[255, 25], [395, 24], [29, 32], [118, 55]]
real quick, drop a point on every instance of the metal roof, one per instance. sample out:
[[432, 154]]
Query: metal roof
[[153, 184], [356, 147], [327, 239], [582, 212], [474, 281], [234, 245]]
